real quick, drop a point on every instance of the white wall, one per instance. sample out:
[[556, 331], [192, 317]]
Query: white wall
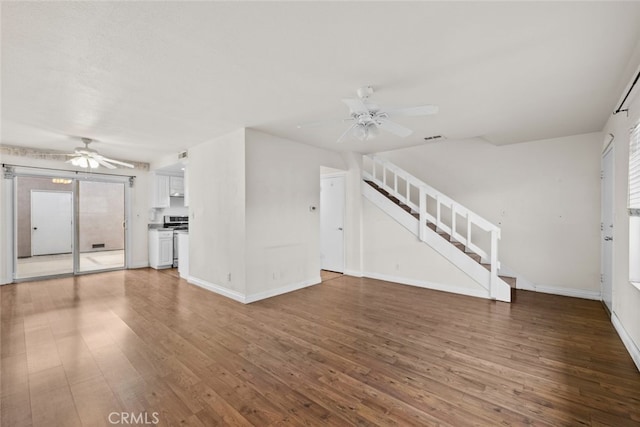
[[282, 234], [626, 298], [137, 251], [392, 253], [138, 223], [217, 214], [545, 196], [353, 227]]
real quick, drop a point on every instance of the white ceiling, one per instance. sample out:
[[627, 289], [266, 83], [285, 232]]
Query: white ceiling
[[151, 78]]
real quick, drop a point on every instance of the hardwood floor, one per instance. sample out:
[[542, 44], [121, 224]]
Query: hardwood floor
[[348, 351]]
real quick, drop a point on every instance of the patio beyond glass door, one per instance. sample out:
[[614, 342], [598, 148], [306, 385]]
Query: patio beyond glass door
[[100, 225]]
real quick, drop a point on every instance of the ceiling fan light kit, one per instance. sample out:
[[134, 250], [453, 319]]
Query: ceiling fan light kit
[[84, 162], [368, 118], [89, 158]]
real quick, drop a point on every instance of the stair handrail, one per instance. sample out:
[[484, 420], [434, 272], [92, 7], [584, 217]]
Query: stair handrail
[[441, 199]]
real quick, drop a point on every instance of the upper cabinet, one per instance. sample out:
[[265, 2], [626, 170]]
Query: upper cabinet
[[160, 186], [176, 186]]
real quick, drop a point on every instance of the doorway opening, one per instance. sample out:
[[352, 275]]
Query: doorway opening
[[606, 227], [67, 226], [332, 220]]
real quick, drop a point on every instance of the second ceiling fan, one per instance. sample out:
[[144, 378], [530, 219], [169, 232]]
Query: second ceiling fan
[[367, 118]]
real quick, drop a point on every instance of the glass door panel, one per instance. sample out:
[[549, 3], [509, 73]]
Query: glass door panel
[[44, 226], [101, 233]]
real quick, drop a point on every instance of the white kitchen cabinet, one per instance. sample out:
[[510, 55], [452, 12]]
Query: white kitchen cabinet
[[160, 248], [176, 186], [160, 191]]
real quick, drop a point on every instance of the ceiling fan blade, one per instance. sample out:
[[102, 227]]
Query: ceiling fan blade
[[356, 106], [392, 127], [346, 132], [117, 162], [423, 110], [323, 123], [103, 162]]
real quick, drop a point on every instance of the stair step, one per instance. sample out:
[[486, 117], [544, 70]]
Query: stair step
[[459, 246], [440, 232], [477, 258], [511, 281]]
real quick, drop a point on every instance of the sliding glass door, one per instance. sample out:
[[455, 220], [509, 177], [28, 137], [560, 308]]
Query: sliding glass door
[[101, 232], [68, 225]]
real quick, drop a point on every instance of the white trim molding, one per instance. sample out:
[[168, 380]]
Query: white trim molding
[[282, 290], [632, 348], [479, 293], [135, 265], [248, 299], [234, 295], [354, 273], [569, 292]]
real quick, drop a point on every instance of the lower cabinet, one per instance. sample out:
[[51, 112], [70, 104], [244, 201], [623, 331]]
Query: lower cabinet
[[160, 248]]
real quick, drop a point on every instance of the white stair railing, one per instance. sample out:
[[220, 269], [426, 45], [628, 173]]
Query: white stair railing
[[406, 188]]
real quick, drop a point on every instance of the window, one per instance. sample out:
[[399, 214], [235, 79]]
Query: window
[[634, 206]]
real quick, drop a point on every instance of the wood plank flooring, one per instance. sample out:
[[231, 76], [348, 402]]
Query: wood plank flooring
[[346, 352]]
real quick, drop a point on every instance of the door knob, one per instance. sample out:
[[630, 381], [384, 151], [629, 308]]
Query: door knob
[[35, 228], [340, 228]]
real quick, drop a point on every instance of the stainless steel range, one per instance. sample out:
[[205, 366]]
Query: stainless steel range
[[176, 223]]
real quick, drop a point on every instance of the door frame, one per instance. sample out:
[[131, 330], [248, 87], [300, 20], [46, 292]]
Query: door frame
[[608, 150], [76, 230], [342, 175], [11, 172]]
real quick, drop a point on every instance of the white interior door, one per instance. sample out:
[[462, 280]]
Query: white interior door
[[332, 223], [51, 222], [607, 228]]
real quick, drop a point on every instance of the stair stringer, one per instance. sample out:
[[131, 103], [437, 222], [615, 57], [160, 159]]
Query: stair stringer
[[471, 268]]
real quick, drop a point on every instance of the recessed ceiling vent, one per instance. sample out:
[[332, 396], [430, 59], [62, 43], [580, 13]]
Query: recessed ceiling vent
[[434, 138], [183, 155]]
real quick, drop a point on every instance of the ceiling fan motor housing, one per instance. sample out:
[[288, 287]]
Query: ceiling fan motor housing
[[365, 92]]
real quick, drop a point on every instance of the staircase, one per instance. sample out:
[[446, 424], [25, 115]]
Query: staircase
[[466, 239]]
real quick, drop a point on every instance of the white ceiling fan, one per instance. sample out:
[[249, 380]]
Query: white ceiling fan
[[367, 118], [86, 157]]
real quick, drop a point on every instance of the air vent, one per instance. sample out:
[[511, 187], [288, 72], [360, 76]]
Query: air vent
[[433, 138], [97, 246], [182, 155]]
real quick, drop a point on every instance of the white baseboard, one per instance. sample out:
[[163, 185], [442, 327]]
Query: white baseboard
[[229, 293], [632, 348], [569, 292], [479, 293], [281, 290], [354, 273], [247, 299], [138, 265]]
